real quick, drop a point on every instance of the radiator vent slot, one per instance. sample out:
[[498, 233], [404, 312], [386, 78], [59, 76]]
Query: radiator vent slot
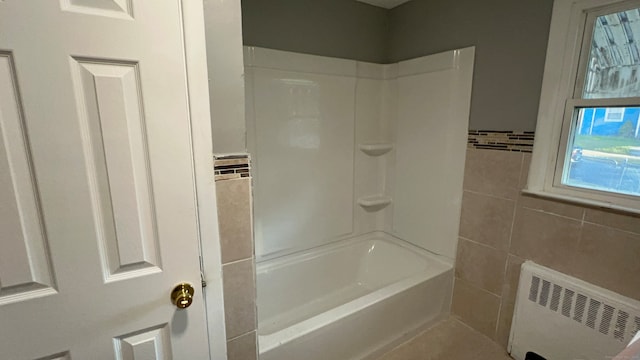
[[555, 297], [544, 294], [607, 315], [592, 315], [581, 304], [566, 313], [567, 302], [533, 292], [621, 325]]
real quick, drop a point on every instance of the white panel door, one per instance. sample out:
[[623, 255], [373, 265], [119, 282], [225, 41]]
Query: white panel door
[[98, 218]]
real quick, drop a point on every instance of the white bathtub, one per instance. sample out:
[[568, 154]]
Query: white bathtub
[[349, 300]]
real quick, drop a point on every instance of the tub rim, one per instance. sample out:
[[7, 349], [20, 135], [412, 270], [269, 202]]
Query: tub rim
[[307, 254]]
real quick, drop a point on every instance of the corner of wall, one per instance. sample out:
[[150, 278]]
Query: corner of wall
[[234, 199], [226, 75]]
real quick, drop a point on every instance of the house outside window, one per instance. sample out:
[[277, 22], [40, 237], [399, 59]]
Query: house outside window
[[587, 146]]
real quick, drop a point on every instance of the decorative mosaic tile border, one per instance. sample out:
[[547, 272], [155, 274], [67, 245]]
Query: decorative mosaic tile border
[[231, 166], [518, 141]]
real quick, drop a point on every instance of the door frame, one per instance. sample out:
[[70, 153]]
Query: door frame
[[202, 148]]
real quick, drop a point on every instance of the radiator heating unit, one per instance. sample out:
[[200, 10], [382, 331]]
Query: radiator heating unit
[[559, 317]]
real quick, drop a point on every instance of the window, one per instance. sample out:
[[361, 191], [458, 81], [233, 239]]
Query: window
[[588, 134], [611, 115]]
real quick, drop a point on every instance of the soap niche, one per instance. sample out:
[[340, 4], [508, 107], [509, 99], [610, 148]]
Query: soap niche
[[374, 202]]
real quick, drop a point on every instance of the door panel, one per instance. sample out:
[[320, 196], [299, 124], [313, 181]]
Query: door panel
[[24, 263], [108, 8], [98, 214], [152, 344], [116, 152]]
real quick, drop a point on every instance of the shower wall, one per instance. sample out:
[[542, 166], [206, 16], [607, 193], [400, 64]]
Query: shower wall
[[342, 148], [434, 95], [300, 131]]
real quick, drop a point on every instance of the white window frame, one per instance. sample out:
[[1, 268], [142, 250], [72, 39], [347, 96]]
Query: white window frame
[[558, 101]]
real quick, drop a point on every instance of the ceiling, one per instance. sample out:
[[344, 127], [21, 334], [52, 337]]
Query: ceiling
[[388, 4]]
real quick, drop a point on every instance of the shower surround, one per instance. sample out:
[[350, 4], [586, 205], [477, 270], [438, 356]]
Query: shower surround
[[358, 172]]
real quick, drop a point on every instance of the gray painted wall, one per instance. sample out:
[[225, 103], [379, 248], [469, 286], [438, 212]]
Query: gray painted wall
[[225, 66], [337, 28], [510, 38]]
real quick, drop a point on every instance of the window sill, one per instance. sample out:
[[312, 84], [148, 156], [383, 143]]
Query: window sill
[[581, 201]]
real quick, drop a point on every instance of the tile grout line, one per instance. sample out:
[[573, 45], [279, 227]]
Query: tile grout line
[[552, 213], [513, 215], [488, 195], [506, 262], [477, 287], [482, 244], [245, 334], [252, 257], [488, 343], [628, 232]]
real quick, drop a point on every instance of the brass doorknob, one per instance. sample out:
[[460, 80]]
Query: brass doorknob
[[182, 295]]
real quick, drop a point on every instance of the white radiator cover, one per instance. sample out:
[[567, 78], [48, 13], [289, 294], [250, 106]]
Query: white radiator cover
[[560, 317]]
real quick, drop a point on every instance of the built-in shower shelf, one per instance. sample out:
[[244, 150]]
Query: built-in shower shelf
[[374, 202], [376, 149]]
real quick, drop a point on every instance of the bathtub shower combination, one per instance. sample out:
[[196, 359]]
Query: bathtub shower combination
[[358, 171]]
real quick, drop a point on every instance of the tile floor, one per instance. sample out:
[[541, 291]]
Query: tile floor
[[448, 340]]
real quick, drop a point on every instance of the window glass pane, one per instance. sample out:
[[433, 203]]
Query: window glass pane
[[614, 60], [604, 154]]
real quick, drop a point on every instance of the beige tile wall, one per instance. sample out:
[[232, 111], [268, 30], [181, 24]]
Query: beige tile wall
[[500, 228], [238, 269]]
